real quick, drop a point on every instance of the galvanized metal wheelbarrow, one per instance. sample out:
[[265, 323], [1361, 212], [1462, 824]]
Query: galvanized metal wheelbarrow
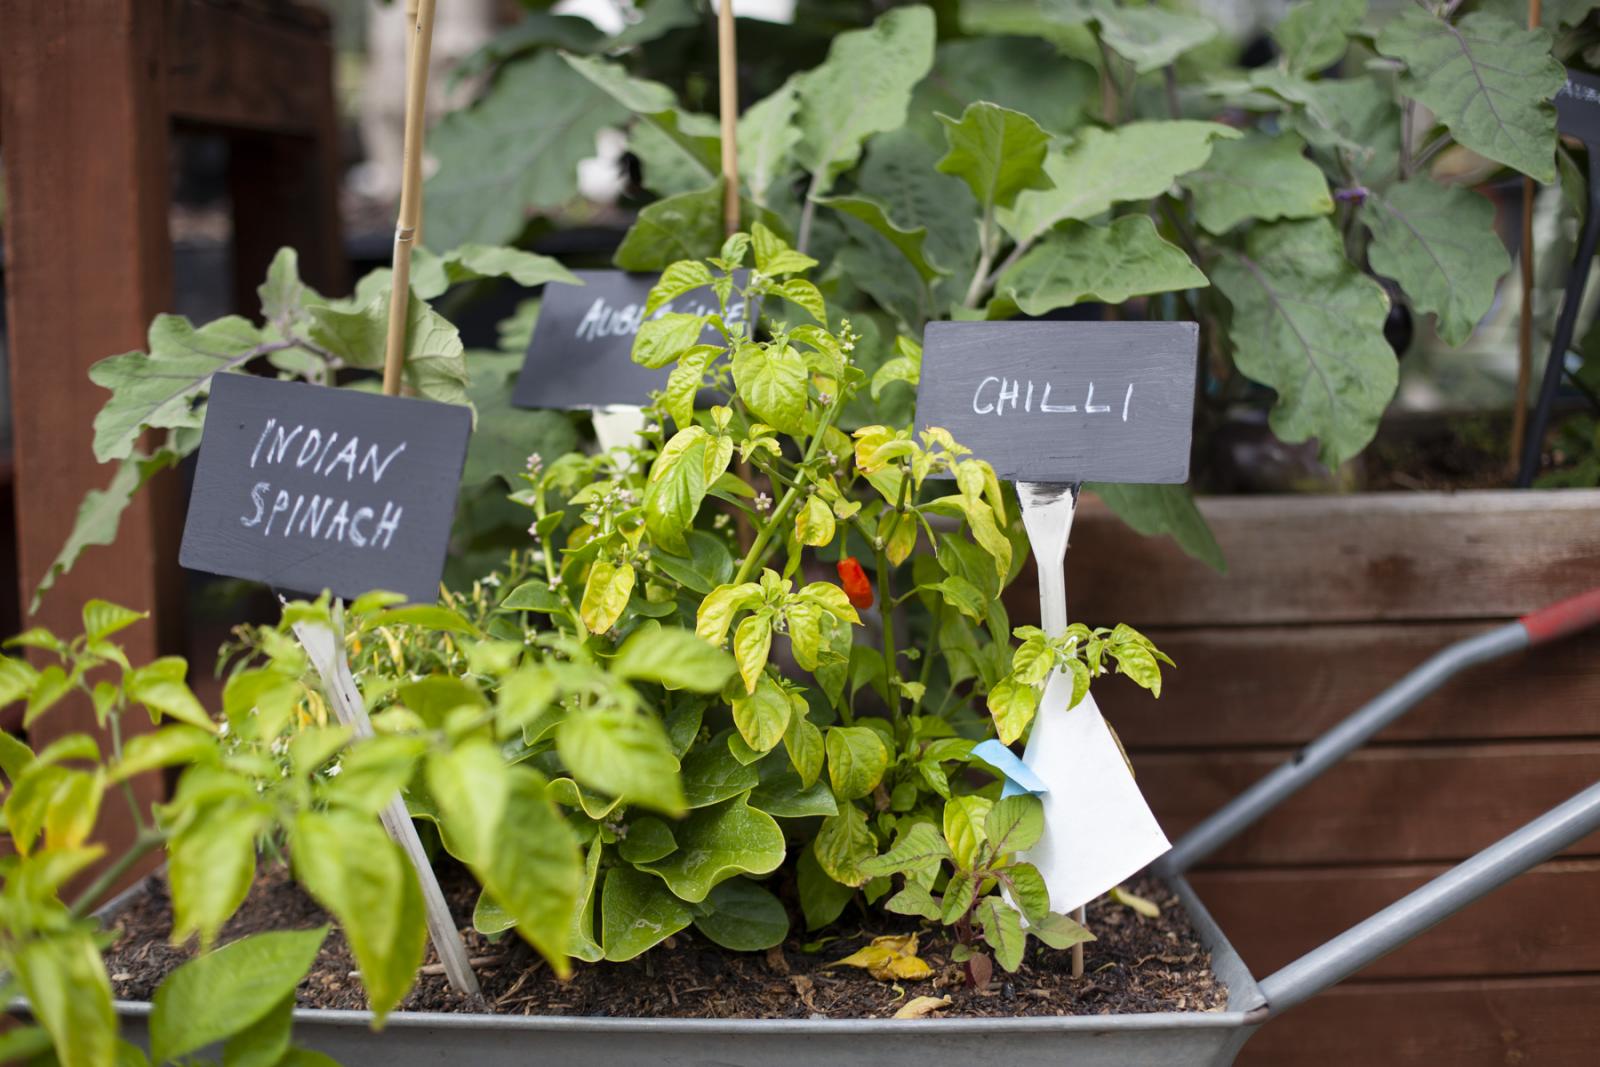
[[1148, 1040]]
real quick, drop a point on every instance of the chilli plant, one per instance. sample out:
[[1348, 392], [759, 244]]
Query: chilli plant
[[625, 730]]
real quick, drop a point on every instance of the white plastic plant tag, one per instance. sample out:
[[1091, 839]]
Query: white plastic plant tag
[[618, 426], [1098, 830]]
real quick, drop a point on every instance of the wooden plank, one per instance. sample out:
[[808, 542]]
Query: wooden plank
[[245, 67], [1541, 923], [89, 264], [1491, 1022], [1390, 804], [1485, 554], [1273, 685]]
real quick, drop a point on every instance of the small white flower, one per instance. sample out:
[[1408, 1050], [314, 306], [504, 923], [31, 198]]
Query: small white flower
[[492, 581], [763, 502], [333, 772], [535, 463]]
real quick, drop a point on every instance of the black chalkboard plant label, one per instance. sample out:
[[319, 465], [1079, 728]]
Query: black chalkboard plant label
[[1065, 401], [581, 352], [1578, 107], [307, 488]]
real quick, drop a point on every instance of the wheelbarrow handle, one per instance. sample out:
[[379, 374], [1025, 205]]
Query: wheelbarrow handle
[[1300, 770], [1564, 617], [1422, 909]]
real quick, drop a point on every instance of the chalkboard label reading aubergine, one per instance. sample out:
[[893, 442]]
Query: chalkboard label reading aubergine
[[1578, 107], [308, 488], [1064, 401], [581, 352]]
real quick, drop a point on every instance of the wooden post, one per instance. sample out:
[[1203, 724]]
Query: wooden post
[[728, 90], [83, 105], [410, 196]]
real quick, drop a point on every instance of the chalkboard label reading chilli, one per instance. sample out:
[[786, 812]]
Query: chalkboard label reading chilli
[[581, 353], [1064, 401], [307, 488]]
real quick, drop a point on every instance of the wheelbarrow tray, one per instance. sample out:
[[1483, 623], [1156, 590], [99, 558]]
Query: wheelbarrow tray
[[1150, 1039]]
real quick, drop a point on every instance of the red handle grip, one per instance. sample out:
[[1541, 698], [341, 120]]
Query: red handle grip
[[1564, 617]]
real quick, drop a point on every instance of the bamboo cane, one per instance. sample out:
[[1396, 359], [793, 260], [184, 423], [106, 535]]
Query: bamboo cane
[[728, 86], [416, 160], [1519, 409], [410, 196]]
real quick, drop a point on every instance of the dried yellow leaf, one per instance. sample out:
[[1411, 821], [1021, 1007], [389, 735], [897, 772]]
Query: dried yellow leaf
[[889, 957], [920, 1007]]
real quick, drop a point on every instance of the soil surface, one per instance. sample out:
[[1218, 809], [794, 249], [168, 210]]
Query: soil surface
[[1136, 965]]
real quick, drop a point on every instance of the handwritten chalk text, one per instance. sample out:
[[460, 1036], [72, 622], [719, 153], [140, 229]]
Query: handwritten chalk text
[[605, 320], [315, 516], [996, 395]]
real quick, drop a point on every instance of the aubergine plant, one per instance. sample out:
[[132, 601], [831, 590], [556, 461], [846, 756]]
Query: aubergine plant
[[1034, 155]]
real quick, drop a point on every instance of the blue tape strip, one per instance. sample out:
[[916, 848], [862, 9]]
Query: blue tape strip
[[1019, 777]]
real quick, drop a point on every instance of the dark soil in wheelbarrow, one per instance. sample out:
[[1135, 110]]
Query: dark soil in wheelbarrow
[[1136, 965]]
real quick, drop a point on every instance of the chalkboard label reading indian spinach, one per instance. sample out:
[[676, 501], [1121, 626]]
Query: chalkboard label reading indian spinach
[[1578, 107], [307, 488], [1064, 401], [581, 353]]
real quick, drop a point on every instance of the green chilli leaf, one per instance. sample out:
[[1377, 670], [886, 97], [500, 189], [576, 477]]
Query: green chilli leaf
[[857, 759], [222, 993], [350, 865], [623, 754]]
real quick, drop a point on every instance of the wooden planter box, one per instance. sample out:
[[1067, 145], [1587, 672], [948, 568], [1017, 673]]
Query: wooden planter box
[[1328, 600]]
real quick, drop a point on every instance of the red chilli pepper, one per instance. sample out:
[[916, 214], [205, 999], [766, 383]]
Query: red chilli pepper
[[856, 584]]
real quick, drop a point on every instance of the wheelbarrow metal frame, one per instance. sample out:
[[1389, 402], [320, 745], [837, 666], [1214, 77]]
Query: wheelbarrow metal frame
[[1182, 1039]]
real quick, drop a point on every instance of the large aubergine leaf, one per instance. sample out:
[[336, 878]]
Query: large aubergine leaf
[[1150, 37], [1309, 325], [899, 174], [514, 151], [1022, 73], [1315, 33], [875, 216], [1164, 509], [862, 88], [686, 226], [1078, 261], [1258, 177], [767, 137], [996, 151], [694, 134], [1439, 243], [1488, 79], [1105, 167]]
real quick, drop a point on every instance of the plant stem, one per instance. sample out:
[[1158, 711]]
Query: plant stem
[[891, 655], [986, 250], [127, 786], [757, 553], [143, 845], [808, 214], [1010, 261]]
